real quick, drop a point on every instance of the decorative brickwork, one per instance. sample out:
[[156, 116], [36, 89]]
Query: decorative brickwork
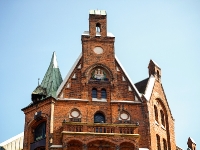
[[98, 107]]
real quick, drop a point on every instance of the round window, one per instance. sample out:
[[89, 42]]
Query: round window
[[124, 116], [98, 50], [75, 113]]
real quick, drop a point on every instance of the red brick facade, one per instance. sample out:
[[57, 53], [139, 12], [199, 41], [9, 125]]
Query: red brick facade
[[97, 106]]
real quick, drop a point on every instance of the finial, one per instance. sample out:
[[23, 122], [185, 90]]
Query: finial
[[38, 81]]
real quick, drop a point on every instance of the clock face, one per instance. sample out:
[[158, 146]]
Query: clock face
[[98, 50]]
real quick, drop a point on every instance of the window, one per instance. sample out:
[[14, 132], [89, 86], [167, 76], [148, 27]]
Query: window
[[40, 131], [99, 118], [75, 115], [158, 74], [94, 93], [156, 113], [164, 144], [98, 27], [162, 118], [103, 94], [158, 142]]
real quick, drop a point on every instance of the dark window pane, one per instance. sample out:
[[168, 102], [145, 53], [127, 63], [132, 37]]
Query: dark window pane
[[103, 93], [99, 118], [94, 93], [40, 131]]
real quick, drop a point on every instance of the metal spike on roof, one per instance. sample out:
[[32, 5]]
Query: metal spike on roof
[[52, 78]]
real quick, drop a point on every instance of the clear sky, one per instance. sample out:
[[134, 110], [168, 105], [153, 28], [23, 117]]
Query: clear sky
[[166, 31]]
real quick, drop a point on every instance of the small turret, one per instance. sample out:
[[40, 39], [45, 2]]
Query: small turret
[[154, 70], [50, 82], [191, 144]]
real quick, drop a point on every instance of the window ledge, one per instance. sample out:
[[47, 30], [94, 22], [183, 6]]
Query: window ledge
[[99, 100], [163, 127], [156, 123]]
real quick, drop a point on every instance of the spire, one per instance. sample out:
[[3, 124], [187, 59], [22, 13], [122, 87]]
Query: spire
[[52, 78], [50, 82]]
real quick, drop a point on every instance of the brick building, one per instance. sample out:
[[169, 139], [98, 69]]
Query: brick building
[[97, 106]]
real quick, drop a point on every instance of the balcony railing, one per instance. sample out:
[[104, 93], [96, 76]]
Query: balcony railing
[[39, 143], [75, 119], [99, 128]]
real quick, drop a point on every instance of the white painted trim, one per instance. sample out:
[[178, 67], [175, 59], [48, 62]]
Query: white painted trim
[[143, 149], [149, 87], [155, 63], [192, 140], [55, 63], [52, 117], [122, 101], [72, 99], [56, 146], [69, 73], [99, 100], [98, 34], [127, 76]]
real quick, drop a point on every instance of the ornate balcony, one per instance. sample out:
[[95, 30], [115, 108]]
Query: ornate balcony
[[79, 128]]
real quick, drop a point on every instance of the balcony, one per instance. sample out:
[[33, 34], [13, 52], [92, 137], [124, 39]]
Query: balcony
[[40, 143], [80, 128]]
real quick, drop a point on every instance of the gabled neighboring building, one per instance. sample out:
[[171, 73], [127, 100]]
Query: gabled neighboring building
[[97, 106], [14, 143]]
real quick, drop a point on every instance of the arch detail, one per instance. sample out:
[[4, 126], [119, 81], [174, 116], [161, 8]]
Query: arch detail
[[87, 72]]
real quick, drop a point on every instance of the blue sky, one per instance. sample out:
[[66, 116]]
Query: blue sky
[[166, 31]]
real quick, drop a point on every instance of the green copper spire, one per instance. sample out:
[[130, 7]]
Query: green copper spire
[[52, 78]]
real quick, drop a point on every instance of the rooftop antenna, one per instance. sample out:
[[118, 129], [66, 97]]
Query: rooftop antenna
[[38, 81]]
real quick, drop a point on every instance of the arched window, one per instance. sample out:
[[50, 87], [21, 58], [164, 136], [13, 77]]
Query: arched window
[[164, 144], [158, 74], [158, 142], [40, 131], [162, 118], [156, 113], [98, 27], [99, 118], [103, 94], [94, 93]]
